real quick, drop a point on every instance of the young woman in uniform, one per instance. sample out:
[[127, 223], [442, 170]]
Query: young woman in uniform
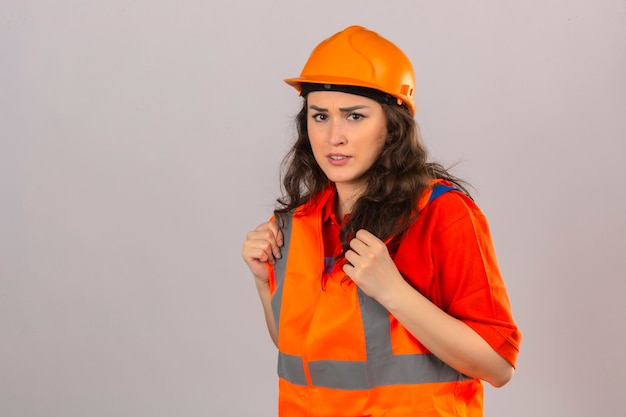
[[377, 272]]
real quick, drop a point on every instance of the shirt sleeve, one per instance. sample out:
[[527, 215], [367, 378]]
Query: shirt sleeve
[[467, 277]]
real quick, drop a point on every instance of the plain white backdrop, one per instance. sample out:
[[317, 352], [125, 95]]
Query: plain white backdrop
[[140, 140]]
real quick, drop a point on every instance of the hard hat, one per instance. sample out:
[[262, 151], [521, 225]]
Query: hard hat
[[359, 57]]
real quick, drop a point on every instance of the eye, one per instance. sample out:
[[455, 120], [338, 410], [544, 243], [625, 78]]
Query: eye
[[355, 116], [318, 117]]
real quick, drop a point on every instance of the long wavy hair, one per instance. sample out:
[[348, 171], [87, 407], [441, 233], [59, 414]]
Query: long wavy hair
[[395, 181]]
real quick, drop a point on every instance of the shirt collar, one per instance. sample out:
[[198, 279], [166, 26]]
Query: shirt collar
[[328, 211]]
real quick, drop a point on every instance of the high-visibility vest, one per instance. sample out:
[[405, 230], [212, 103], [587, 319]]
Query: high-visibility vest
[[340, 352]]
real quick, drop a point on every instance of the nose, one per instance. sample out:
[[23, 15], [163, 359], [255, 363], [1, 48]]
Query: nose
[[336, 134]]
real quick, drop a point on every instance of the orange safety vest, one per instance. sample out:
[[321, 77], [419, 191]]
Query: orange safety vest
[[341, 353]]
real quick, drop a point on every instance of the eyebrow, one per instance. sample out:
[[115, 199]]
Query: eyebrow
[[341, 109]]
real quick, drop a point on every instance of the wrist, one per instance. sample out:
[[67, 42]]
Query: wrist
[[392, 298], [262, 284]]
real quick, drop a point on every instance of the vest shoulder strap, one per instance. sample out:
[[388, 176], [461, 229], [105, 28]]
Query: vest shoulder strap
[[440, 189]]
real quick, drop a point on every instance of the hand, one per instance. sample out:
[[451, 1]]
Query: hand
[[370, 265], [262, 245]]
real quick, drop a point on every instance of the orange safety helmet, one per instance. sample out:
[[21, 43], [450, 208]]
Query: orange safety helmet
[[359, 57]]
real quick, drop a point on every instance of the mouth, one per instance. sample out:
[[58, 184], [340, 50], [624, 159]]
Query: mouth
[[338, 159]]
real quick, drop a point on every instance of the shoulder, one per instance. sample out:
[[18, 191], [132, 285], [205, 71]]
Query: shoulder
[[317, 202], [448, 208]]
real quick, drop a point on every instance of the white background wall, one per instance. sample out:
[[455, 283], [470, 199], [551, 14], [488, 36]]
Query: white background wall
[[140, 140]]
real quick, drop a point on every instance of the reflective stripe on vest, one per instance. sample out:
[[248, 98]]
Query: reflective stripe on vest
[[381, 368]]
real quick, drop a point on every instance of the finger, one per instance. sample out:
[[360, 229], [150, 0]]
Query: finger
[[277, 231], [268, 232], [358, 246], [255, 259], [258, 247], [265, 251], [348, 269], [367, 237], [276, 238], [256, 251], [351, 257]]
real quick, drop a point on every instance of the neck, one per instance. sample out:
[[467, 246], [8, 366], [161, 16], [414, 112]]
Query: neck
[[346, 197]]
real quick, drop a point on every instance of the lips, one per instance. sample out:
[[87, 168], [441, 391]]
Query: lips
[[338, 159]]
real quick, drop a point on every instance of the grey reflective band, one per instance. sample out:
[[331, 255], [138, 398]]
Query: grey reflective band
[[291, 368], [381, 368], [280, 268], [417, 368]]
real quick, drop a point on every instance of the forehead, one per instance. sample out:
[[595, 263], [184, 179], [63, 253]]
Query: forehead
[[339, 99]]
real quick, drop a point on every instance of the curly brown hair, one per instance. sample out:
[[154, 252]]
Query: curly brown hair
[[395, 181]]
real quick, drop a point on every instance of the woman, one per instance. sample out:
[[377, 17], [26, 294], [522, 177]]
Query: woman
[[377, 274]]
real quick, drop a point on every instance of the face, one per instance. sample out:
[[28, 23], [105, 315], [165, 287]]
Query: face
[[347, 134]]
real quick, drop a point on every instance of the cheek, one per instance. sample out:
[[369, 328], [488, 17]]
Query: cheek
[[316, 148], [380, 144], [314, 135], [317, 140]]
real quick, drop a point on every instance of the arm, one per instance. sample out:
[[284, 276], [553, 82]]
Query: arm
[[262, 245], [450, 339], [264, 294]]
